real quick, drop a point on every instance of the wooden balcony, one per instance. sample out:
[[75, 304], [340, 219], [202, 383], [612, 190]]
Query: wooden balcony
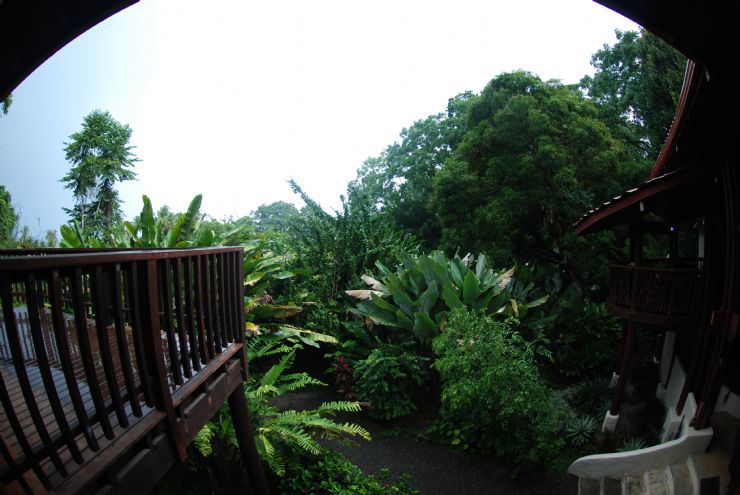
[[662, 297], [111, 361]]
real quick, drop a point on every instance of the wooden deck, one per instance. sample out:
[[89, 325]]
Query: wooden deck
[[111, 362]]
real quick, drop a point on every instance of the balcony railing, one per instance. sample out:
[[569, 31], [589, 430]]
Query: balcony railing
[[665, 297], [111, 361]]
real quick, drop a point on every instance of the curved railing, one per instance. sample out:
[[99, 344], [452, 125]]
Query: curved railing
[[656, 296]]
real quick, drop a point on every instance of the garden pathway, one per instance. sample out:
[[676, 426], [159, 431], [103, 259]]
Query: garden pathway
[[434, 469]]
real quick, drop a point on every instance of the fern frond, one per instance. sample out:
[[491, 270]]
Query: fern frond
[[297, 382], [339, 406], [203, 441], [299, 437]]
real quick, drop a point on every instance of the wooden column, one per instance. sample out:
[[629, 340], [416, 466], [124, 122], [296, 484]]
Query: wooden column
[[245, 437], [624, 369]]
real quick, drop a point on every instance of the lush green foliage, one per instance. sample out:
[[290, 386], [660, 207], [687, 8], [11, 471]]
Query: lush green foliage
[[336, 249], [581, 430], [401, 179], [101, 156], [8, 218], [534, 158], [586, 336], [636, 85], [274, 428], [390, 380], [493, 396], [330, 473], [424, 288]]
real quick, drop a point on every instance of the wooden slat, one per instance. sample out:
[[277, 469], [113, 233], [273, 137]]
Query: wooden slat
[[230, 296], [104, 343], [164, 282], [155, 354], [178, 287], [11, 330], [83, 338], [201, 309], [189, 309], [123, 344], [222, 312], [210, 296], [134, 303], [32, 302], [62, 341]]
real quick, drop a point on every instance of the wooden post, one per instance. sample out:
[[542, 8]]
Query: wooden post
[[245, 437], [624, 370]]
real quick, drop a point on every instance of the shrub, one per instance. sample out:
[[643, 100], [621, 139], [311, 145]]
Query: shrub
[[389, 379], [587, 337], [593, 395], [332, 474], [493, 397], [581, 430]]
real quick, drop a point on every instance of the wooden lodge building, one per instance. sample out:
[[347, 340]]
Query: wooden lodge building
[[112, 360], [690, 295]]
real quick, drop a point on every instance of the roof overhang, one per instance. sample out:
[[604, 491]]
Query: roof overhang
[[31, 31], [646, 197], [704, 31]]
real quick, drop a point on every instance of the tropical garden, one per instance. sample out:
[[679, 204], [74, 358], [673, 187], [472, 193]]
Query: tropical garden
[[449, 285]]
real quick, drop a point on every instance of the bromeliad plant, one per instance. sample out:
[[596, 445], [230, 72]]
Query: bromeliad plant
[[422, 291]]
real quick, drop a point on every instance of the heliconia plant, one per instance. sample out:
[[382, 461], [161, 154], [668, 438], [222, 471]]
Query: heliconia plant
[[419, 294]]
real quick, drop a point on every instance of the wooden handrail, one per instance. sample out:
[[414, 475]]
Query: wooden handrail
[[104, 340]]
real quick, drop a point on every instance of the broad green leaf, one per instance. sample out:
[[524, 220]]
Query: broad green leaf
[[404, 320], [480, 266], [429, 298], [470, 288], [424, 327], [452, 300]]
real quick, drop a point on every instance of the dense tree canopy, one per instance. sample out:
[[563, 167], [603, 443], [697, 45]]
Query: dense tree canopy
[[101, 156], [400, 180], [636, 85], [534, 158]]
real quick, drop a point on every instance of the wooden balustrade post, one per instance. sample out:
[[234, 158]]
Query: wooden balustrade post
[[155, 355], [245, 438]]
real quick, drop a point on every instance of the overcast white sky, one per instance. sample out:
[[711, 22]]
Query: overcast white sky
[[233, 98]]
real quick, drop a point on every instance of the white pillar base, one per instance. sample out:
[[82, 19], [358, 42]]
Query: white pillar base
[[610, 422]]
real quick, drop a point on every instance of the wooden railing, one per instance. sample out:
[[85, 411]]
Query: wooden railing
[[112, 357], [666, 297]]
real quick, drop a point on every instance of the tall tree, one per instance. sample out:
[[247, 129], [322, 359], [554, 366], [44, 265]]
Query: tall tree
[[636, 86], [8, 218], [400, 180], [275, 217], [101, 156], [534, 158]]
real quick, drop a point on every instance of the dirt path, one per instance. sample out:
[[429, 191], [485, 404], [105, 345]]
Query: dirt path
[[434, 469]]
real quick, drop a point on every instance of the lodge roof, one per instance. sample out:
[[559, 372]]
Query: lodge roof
[[31, 31]]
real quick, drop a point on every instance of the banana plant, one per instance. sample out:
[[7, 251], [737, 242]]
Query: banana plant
[[419, 294], [262, 270], [149, 232]]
